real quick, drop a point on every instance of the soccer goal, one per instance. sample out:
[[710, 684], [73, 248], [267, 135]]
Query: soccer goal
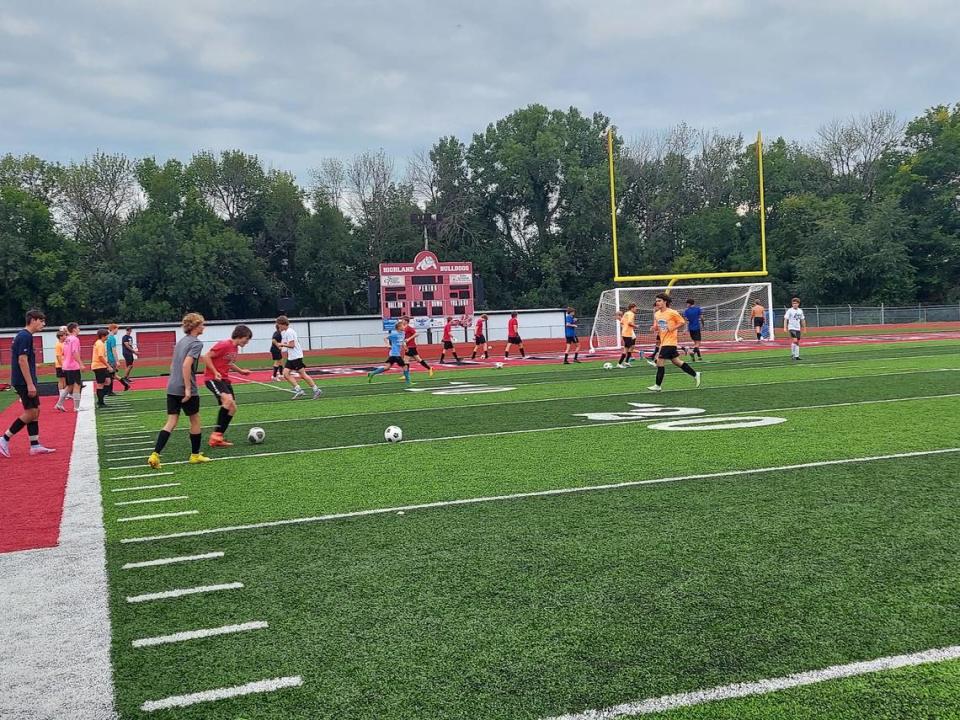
[[726, 311]]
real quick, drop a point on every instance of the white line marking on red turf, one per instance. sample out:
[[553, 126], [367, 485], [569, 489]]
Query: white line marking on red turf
[[243, 380], [762, 687], [152, 500], [540, 493], [145, 487], [261, 686], [149, 475], [639, 419], [180, 592], [158, 515], [173, 560], [197, 634]]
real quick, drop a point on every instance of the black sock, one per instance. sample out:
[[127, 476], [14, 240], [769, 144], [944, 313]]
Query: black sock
[[195, 443], [688, 370], [623, 356], [576, 355], [455, 357], [15, 427], [161, 441], [33, 430], [660, 373], [441, 357], [223, 419], [486, 354], [566, 357], [101, 392], [522, 353], [424, 363], [506, 353], [473, 355]]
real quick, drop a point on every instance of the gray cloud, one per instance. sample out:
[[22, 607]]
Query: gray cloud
[[298, 81]]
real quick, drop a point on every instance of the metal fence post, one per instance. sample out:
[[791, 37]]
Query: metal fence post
[[882, 322]]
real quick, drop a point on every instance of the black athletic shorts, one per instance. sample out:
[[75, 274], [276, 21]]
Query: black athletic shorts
[[29, 403], [395, 360], [412, 352], [218, 388], [295, 364], [275, 352], [72, 377], [129, 360], [447, 345], [480, 339], [795, 334], [60, 372], [629, 342], [696, 335], [515, 340], [572, 339], [101, 375], [176, 405], [669, 352], [759, 322]]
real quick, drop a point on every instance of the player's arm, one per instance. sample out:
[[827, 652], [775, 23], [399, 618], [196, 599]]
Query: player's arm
[[207, 358], [786, 320], [803, 323], [237, 368], [24, 364], [76, 356], [186, 371]]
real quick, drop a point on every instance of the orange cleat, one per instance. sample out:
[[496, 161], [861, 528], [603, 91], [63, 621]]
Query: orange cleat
[[217, 440]]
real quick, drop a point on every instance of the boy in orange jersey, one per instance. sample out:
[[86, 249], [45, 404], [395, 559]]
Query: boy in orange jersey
[[101, 368], [666, 323]]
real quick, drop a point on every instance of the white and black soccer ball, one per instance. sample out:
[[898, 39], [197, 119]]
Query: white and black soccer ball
[[393, 434], [608, 366], [498, 365], [256, 435]]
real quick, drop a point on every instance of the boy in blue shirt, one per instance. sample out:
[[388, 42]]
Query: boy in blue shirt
[[23, 378], [570, 335], [395, 342], [694, 315]]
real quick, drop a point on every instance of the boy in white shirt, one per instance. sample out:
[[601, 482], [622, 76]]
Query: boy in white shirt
[[795, 324], [294, 359]]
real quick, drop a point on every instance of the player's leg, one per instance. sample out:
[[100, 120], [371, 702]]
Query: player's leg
[[192, 409], [174, 403], [317, 392], [687, 369]]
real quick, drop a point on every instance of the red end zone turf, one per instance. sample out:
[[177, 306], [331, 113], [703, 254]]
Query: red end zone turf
[[32, 488]]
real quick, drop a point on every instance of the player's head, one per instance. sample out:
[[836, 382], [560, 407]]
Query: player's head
[[569, 311], [35, 319], [691, 302], [513, 314], [663, 299], [241, 335], [128, 330], [484, 316], [757, 302], [795, 302], [73, 328], [113, 327], [102, 333], [631, 307], [449, 318], [283, 322], [61, 334], [192, 323]]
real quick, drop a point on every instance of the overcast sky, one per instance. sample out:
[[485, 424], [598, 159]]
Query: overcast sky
[[298, 81]]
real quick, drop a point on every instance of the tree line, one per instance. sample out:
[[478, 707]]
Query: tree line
[[868, 212]]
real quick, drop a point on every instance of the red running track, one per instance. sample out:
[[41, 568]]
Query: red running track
[[32, 488]]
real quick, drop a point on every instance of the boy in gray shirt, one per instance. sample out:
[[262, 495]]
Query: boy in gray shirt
[[182, 393]]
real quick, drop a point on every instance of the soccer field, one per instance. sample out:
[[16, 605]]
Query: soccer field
[[547, 540]]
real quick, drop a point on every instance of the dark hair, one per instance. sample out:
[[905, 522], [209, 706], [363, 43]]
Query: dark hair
[[631, 305], [691, 301], [241, 331], [35, 315], [513, 314], [61, 333], [665, 297], [102, 333], [129, 329], [72, 326], [283, 320]]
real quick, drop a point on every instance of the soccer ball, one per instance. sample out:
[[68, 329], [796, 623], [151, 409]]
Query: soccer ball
[[498, 365], [608, 366], [256, 435], [393, 434]]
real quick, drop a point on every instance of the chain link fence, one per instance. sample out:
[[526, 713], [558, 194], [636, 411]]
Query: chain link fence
[[841, 315]]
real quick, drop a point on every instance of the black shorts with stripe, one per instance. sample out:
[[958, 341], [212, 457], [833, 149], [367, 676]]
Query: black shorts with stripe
[[219, 388]]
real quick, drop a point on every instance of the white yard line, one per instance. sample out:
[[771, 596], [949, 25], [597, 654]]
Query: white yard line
[[181, 592], [158, 516], [540, 493], [152, 500], [762, 687], [173, 560], [146, 487], [198, 634], [144, 475], [501, 433], [261, 686]]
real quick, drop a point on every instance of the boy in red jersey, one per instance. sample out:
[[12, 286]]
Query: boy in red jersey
[[513, 336], [218, 361], [410, 341], [448, 339], [480, 339]]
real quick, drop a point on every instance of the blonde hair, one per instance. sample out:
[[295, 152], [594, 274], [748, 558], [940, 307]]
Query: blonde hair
[[112, 326], [191, 321], [283, 320]]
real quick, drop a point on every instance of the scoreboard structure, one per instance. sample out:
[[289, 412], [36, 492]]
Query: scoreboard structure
[[427, 290]]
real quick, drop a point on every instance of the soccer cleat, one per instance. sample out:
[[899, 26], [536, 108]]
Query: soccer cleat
[[297, 394], [40, 450], [369, 377], [317, 392], [217, 440], [651, 363], [696, 379], [4, 447], [431, 372], [154, 460], [566, 362], [197, 458], [628, 364], [621, 366], [59, 407], [654, 388]]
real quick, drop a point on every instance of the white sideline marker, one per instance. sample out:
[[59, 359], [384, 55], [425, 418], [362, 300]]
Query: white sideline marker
[[260, 686], [145, 487], [180, 592], [158, 515], [152, 500], [149, 475], [172, 560], [762, 687], [538, 493], [197, 634]]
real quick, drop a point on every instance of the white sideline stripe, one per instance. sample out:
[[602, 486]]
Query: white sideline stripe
[[539, 493], [625, 421], [762, 687], [139, 441], [705, 388], [172, 560], [149, 475], [260, 686], [152, 500], [145, 487], [180, 592], [242, 379], [197, 634], [158, 515]]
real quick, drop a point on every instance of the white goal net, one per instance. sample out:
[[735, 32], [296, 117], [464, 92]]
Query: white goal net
[[726, 311]]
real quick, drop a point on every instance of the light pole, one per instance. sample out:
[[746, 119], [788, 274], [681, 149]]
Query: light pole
[[613, 198]]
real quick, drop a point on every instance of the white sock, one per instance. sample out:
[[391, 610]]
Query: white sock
[[76, 399], [63, 396]]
